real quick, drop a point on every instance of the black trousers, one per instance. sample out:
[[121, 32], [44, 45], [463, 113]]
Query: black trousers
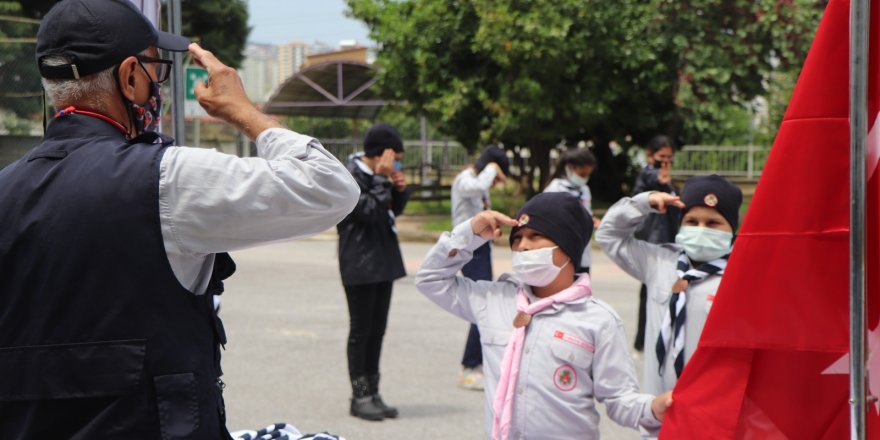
[[368, 306], [479, 268]]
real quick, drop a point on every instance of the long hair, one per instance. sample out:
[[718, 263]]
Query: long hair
[[577, 157]]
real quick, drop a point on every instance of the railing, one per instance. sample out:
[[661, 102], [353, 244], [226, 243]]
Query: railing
[[728, 161], [445, 158]]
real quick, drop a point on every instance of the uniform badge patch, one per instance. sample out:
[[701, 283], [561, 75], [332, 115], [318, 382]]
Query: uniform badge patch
[[523, 220], [565, 378], [710, 200]]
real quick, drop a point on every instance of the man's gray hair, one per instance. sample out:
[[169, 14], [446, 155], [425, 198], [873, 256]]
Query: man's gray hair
[[89, 91]]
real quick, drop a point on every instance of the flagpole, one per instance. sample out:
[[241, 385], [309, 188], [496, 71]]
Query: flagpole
[[859, 21]]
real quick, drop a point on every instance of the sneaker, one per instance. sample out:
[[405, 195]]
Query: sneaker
[[471, 378]]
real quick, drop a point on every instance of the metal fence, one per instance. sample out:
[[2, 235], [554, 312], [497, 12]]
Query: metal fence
[[444, 158], [729, 161], [21, 96]]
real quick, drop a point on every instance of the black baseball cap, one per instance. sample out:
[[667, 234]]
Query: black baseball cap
[[96, 35]]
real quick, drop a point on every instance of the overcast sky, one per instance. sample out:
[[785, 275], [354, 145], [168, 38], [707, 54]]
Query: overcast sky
[[280, 21]]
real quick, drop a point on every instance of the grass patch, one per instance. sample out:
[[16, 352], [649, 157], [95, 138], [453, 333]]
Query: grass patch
[[437, 224]]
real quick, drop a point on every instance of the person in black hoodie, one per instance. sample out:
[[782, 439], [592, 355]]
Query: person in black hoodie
[[370, 261]]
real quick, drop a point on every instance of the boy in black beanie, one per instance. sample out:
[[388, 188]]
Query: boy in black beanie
[[551, 350], [682, 278]]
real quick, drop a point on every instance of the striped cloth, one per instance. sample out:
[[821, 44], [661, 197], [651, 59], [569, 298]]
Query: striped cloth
[[672, 327], [281, 431]]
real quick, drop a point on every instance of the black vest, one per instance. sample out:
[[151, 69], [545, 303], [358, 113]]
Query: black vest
[[98, 339]]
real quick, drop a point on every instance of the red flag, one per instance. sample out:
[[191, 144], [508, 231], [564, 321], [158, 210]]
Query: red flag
[[772, 362]]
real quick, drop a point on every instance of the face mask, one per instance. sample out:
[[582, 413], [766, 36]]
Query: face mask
[[147, 116], [397, 165], [575, 179], [704, 244], [536, 267]]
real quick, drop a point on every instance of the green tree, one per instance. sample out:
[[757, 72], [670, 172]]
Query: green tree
[[219, 26], [539, 73]]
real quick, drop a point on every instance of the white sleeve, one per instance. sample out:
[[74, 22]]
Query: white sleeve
[[615, 235], [615, 384], [437, 278], [214, 202], [469, 185]]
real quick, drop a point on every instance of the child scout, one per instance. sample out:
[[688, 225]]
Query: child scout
[[682, 278], [551, 350]]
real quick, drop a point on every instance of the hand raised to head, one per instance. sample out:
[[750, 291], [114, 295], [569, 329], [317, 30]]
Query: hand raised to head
[[487, 224]]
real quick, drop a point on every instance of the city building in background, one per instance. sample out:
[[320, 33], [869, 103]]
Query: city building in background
[[259, 71], [291, 57]]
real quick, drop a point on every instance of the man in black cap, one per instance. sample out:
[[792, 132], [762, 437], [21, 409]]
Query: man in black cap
[[113, 240], [681, 278], [470, 196], [370, 261]]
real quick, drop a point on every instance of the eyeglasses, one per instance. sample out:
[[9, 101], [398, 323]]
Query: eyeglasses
[[163, 67]]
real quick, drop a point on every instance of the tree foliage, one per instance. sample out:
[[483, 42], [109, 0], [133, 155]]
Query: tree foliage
[[538, 73], [219, 26]]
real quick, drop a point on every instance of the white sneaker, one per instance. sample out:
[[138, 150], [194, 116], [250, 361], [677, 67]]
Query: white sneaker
[[471, 378]]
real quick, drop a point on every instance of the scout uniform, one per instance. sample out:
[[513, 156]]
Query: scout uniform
[[573, 353]]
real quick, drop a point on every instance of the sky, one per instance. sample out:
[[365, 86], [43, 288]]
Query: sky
[[280, 21]]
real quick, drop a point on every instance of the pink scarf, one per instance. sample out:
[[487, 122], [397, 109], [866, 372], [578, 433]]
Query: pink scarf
[[503, 406]]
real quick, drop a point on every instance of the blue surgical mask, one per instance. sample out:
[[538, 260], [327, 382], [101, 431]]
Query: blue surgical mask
[[148, 115], [704, 244], [575, 179], [397, 165]]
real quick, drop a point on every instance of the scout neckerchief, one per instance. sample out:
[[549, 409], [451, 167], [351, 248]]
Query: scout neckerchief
[[503, 405], [672, 328]]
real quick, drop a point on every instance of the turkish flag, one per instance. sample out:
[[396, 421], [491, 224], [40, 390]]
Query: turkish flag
[[772, 362]]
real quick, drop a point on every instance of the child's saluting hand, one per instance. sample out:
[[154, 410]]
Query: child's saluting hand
[[661, 200], [487, 224]]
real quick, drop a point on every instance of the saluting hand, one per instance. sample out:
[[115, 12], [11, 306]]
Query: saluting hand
[[661, 201], [224, 97], [487, 224], [385, 166]]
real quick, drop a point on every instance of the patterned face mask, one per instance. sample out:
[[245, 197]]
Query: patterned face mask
[[148, 115]]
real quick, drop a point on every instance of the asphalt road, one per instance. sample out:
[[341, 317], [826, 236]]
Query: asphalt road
[[286, 318]]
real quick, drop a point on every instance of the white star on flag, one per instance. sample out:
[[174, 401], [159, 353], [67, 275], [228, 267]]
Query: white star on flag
[[841, 366]]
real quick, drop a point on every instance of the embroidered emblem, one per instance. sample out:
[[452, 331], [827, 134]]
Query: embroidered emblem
[[565, 378], [710, 200], [523, 220]]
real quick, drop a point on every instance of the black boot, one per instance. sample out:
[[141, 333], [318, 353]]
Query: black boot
[[389, 411], [362, 404]]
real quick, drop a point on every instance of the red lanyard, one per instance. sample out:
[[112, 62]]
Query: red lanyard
[[73, 109]]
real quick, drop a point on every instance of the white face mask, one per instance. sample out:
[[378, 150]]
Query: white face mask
[[536, 267], [575, 179], [704, 244]]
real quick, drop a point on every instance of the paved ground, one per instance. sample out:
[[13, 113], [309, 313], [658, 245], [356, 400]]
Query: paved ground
[[286, 318]]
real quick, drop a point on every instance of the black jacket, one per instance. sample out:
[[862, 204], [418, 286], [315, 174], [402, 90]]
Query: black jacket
[[368, 248], [98, 339], [657, 228]]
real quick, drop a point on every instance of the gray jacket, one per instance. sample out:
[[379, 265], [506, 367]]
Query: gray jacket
[[654, 265], [584, 338]]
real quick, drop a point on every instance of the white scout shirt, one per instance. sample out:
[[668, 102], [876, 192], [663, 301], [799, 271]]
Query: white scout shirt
[[212, 202], [655, 265], [574, 354], [586, 197], [470, 193]]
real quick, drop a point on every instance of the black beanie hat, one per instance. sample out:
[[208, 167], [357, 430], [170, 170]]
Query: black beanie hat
[[381, 136], [561, 217], [715, 192], [493, 153]]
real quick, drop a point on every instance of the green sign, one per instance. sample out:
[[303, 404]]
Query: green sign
[[194, 75]]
